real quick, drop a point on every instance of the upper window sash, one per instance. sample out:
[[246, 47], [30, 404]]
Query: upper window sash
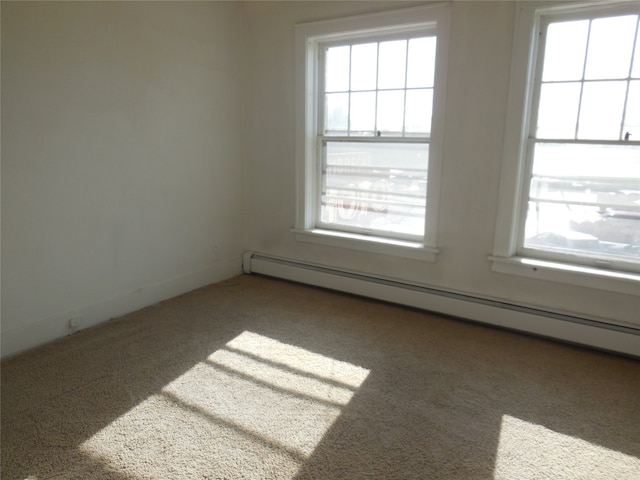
[[573, 77], [416, 88]]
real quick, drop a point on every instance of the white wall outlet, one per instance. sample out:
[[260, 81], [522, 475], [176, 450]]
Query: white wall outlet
[[74, 323]]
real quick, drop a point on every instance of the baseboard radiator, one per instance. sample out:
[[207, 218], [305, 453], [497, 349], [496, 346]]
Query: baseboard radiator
[[566, 328]]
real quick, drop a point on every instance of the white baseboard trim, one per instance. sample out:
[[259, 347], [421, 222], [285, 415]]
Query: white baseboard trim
[[57, 326], [572, 329]]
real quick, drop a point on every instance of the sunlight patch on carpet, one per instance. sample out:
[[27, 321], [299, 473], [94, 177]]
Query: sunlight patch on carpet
[[297, 358], [256, 405], [527, 451]]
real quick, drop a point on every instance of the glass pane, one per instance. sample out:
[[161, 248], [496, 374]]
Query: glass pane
[[337, 69], [584, 198], [390, 111], [337, 112], [419, 111], [422, 62], [636, 57], [601, 110], [567, 160], [632, 118], [610, 46], [558, 111], [364, 63], [380, 187], [363, 112], [393, 58], [565, 50]]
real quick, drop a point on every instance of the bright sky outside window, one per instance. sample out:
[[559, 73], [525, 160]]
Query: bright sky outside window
[[584, 194], [378, 103]]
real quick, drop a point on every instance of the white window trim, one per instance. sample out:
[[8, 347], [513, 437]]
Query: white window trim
[[367, 243], [578, 275], [307, 36], [505, 258]]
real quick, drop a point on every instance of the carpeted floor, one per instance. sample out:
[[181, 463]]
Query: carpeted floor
[[255, 378]]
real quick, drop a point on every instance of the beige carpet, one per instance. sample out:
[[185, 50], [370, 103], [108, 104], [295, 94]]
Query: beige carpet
[[255, 378]]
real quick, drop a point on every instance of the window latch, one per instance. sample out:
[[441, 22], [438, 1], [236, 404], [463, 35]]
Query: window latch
[[626, 136]]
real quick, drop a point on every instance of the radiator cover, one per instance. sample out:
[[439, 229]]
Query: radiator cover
[[566, 328]]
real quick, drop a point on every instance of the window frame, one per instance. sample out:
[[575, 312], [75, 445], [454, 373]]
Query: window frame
[[509, 254], [309, 37]]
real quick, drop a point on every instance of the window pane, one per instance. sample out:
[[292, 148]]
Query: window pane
[[422, 62], [364, 62], [558, 111], [419, 110], [393, 58], [584, 199], [390, 111], [337, 111], [565, 51], [363, 112], [601, 110], [632, 118], [337, 69], [380, 187], [566, 160], [610, 47]]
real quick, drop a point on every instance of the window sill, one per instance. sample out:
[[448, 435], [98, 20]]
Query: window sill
[[600, 279], [369, 244]]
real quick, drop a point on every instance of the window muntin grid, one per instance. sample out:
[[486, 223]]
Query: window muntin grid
[[590, 80], [378, 88]]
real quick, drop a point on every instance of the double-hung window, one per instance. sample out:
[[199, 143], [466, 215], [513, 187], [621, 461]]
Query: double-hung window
[[577, 197], [369, 110]]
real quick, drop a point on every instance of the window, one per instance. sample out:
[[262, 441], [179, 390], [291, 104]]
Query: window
[[374, 135], [578, 195], [370, 91]]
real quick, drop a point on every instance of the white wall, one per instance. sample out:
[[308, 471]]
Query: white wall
[[123, 145], [121, 158], [478, 76]]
